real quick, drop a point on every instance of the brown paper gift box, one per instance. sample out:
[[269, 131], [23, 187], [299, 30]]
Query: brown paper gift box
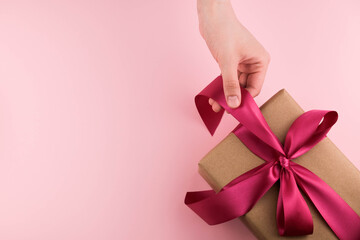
[[231, 158]]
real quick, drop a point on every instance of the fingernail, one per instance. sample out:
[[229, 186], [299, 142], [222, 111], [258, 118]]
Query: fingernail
[[233, 101]]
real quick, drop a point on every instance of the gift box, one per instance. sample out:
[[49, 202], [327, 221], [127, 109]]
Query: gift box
[[231, 158]]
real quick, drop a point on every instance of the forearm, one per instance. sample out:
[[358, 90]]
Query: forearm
[[209, 5]]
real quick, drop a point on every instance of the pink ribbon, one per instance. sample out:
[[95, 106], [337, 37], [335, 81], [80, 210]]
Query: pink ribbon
[[240, 195]]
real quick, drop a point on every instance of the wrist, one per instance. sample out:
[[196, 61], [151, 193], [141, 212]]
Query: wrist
[[209, 5]]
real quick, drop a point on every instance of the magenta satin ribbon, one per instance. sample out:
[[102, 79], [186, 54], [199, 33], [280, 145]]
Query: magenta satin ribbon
[[240, 195]]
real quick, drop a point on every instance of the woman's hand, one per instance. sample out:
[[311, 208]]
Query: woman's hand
[[243, 61]]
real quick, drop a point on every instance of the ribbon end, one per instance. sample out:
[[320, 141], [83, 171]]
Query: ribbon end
[[210, 118]]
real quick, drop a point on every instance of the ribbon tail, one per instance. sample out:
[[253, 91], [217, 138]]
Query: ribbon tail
[[210, 118], [292, 213], [340, 217], [236, 199]]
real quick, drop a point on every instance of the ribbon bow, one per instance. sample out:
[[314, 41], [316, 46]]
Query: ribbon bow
[[240, 195]]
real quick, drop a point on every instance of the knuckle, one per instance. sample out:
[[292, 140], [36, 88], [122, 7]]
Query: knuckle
[[231, 85], [267, 57]]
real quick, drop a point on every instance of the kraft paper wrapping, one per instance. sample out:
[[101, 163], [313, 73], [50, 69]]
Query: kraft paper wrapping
[[230, 158]]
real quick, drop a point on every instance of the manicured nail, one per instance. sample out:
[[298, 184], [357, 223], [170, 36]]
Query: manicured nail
[[233, 101]]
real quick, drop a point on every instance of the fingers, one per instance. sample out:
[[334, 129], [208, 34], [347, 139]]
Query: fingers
[[231, 85], [243, 79], [215, 106], [255, 82], [252, 82], [233, 78]]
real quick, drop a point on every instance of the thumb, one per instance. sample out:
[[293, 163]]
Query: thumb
[[231, 85]]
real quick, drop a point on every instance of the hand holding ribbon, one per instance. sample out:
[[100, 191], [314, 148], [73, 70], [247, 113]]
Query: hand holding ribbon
[[240, 195]]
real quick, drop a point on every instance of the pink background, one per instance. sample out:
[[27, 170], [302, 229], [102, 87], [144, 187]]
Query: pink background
[[99, 135]]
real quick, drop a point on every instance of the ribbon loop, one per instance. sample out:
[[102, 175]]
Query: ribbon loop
[[306, 131]]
